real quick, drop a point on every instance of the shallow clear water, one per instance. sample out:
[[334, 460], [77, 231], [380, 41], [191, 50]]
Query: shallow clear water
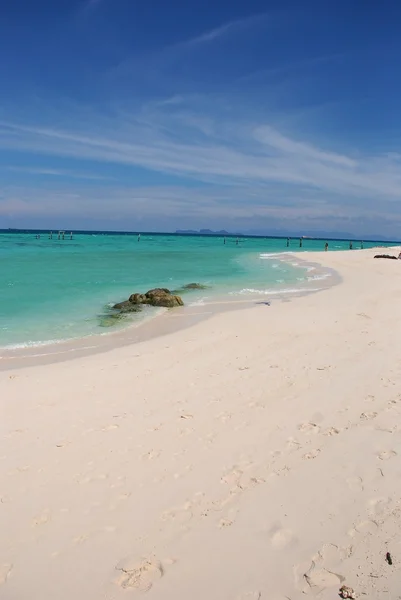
[[60, 289]]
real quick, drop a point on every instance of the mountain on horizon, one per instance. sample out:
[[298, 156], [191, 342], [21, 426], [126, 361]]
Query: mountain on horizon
[[282, 233]]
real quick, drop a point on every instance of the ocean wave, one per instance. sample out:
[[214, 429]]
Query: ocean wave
[[200, 302], [269, 255], [274, 292], [318, 277], [31, 344]]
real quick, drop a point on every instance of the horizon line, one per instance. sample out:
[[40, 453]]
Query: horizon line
[[188, 233]]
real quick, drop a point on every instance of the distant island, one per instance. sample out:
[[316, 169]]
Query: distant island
[[204, 232]]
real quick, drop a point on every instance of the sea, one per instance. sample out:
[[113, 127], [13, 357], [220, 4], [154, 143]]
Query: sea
[[55, 289]]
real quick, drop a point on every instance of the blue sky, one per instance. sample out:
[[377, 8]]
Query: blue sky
[[243, 115]]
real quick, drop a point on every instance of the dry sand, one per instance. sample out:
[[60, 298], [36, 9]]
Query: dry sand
[[253, 456]]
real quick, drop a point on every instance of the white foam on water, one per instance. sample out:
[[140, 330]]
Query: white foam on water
[[200, 302], [270, 255], [275, 292], [319, 277], [30, 344]]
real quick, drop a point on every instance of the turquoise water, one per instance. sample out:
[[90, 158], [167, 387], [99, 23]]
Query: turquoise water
[[54, 289]]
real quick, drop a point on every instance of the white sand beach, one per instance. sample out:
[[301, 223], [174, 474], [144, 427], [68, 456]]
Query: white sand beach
[[255, 455]]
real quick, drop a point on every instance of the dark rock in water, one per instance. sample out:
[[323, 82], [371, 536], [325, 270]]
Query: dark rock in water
[[162, 297], [190, 286], [156, 297], [195, 286], [137, 299], [127, 307], [112, 319], [169, 301]]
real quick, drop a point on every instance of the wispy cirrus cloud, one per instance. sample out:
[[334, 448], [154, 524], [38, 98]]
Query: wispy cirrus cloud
[[230, 27], [229, 169], [215, 152], [54, 172], [160, 63], [236, 208]]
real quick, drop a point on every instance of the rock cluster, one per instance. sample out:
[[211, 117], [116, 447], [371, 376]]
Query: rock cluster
[[157, 297]]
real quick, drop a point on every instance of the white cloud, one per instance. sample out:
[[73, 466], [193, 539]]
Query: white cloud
[[224, 29], [226, 153], [55, 172], [245, 170]]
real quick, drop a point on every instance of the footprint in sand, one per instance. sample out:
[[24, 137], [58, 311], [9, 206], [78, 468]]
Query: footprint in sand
[[331, 554], [232, 477], [280, 472], [309, 428], [225, 523], [282, 538], [140, 575], [364, 527], [5, 571], [378, 506], [386, 429], [387, 454], [184, 513], [367, 416], [312, 454], [331, 431], [318, 578]]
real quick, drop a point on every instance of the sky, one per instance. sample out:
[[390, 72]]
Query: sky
[[245, 115]]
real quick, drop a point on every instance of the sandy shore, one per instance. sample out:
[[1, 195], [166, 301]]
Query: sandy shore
[[253, 456]]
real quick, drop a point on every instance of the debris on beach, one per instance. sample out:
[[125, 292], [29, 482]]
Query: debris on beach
[[347, 592], [389, 558]]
